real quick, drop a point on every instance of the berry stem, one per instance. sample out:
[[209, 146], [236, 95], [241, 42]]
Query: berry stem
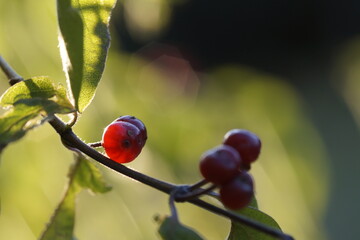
[[95, 144], [198, 184], [72, 141], [181, 197]]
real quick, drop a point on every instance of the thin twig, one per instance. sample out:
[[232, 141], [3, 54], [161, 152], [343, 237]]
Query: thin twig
[[71, 140], [158, 184]]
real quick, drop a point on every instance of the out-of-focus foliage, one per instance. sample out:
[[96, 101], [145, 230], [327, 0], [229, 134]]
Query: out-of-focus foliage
[[240, 231], [83, 175], [349, 67], [186, 113], [171, 229], [146, 19]]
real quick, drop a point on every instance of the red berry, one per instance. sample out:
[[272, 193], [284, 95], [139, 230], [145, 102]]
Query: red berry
[[238, 192], [246, 143], [122, 141], [220, 164], [137, 122]]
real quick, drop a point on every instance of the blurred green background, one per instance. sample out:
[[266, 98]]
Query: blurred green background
[[306, 175]]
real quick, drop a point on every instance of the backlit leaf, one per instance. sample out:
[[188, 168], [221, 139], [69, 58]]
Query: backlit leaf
[[35, 87], [84, 42], [30, 103]]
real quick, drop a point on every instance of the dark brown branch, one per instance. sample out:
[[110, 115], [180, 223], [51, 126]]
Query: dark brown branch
[[165, 187], [71, 141]]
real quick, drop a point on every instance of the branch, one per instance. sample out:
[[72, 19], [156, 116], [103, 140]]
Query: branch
[[9, 72], [72, 141]]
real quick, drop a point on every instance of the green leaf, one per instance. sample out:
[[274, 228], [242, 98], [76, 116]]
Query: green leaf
[[24, 116], [37, 87], [14, 123], [253, 203], [30, 103], [84, 43], [242, 232], [83, 175], [171, 229]]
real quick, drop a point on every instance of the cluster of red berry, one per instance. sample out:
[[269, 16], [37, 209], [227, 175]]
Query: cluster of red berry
[[227, 167], [124, 138]]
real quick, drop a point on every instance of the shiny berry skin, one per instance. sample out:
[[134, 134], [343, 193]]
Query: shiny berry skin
[[246, 143], [220, 164], [238, 192], [122, 141], [137, 122]]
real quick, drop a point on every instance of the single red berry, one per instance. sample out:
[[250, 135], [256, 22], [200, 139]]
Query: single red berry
[[135, 121], [220, 164], [246, 143], [238, 192], [122, 141]]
